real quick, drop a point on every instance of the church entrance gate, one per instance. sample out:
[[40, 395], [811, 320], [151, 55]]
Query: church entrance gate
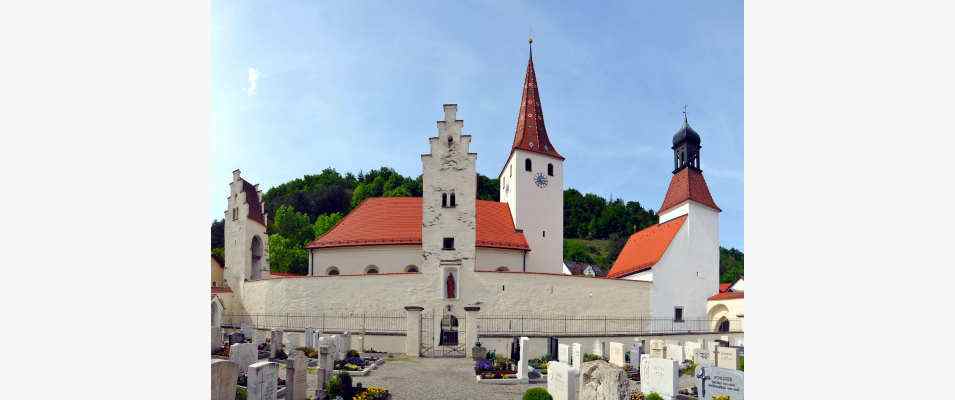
[[443, 337]]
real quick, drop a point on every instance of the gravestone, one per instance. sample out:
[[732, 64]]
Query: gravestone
[[576, 355], [326, 363], [602, 381], [243, 355], [598, 348], [330, 344], [216, 338], [295, 376], [659, 375], [224, 375], [309, 337], [563, 353], [236, 337], [522, 366], [727, 357], [689, 348], [294, 341], [263, 381], [276, 343], [675, 353], [346, 344], [248, 330], [715, 381], [704, 358], [551, 348], [562, 380], [337, 341], [658, 349], [635, 351], [616, 355]]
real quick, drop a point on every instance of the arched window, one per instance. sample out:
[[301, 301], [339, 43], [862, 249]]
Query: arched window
[[411, 268], [256, 251], [444, 199], [453, 203], [502, 269], [332, 271], [724, 325], [550, 169], [527, 164], [371, 269]]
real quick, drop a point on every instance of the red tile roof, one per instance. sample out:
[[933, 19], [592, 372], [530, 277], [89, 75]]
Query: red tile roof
[[284, 275], [397, 221], [530, 134], [221, 290], [726, 296], [255, 204], [645, 248], [688, 184], [725, 287]]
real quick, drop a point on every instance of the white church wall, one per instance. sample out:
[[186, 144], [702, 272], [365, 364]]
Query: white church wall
[[674, 212], [538, 211], [688, 273], [498, 293], [489, 259], [646, 276], [353, 260]]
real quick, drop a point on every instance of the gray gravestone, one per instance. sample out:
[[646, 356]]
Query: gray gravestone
[[346, 343], [248, 331], [562, 380], [310, 337], [616, 355], [276, 343], [715, 381], [326, 363], [598, 348], [659, 375], [727, 357], [704, 358], [243, 354], [216, 337], [224, 375], [635, 351], [601, 381], [263, 381], [295, 376]]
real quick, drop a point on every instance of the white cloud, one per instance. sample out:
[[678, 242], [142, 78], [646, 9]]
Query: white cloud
[[253, 78]]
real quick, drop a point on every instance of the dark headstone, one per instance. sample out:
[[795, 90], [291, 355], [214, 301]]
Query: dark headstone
[[552, 348]]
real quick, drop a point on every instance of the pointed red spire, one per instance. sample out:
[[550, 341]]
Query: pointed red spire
[[531, 135]]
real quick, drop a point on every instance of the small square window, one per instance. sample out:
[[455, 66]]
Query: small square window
[[678, 314], [448, 244]]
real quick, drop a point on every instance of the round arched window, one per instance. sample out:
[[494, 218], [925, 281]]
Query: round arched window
[[502, 269], [411, 268], [332, 271], [371, 269]]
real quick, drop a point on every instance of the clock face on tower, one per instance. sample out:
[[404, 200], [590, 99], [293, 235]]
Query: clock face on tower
[[540, 180]]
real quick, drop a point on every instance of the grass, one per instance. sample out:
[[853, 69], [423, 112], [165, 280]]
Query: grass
[[601, 248]]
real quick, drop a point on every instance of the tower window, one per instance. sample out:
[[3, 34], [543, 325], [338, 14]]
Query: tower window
[[527, 164], [450, 140], [543, 233], [453, 203], [332, 271], [550, 169], [235, 214], [448, 244], [444, 200], [678, 314]]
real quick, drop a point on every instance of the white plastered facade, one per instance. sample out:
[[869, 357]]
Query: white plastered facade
[[538, 211], [241, 232]]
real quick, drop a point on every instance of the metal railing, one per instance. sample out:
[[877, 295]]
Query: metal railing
[[387, 322], [563, 325]]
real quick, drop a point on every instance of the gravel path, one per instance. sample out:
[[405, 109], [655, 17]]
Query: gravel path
[[438, 379]]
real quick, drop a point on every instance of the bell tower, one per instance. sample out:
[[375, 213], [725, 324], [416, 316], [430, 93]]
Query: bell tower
[[532, 181], [246, 242]]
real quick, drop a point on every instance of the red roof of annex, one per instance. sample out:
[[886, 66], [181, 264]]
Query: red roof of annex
[[398, 220], [645, 248]]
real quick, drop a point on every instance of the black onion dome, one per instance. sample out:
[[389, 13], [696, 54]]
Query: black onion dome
[[686, 133]]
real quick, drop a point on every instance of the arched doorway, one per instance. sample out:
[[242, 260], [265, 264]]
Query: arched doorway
[[449, 331], [724, 325], [256, 251]]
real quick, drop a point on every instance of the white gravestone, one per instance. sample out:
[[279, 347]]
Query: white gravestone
[[575, 355], [216, 337], [675, 352], [562, 380], [598, 348], [657, 349], [715, 381], [727, 357], [346, 343], [293, 341], [689, 348], [563, 353], [248, 330], [263, 381], [704, 358], [337, 341], [224, 375], [659, 375], [616, 355], [243, 355], [295, 376], [635, 351], [310, 337], [276, 343], [522, 366]]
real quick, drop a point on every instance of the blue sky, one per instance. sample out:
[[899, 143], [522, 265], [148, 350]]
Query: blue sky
[[301, 86]]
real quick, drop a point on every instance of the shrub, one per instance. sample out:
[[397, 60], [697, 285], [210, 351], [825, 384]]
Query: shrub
[[721, 397], [689, 368], [334, 386], [537, 393], [591, 357], [241, 393], [653, 396], [310, 352], [740, 363]]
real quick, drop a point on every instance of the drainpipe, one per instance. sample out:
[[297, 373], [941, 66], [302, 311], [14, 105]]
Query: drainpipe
[[524, 262]]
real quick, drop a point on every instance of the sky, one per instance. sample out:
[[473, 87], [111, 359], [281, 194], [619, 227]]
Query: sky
[[301, 86]]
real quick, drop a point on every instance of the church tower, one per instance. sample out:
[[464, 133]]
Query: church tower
[[532, 182], [246, 243], [449, 222]]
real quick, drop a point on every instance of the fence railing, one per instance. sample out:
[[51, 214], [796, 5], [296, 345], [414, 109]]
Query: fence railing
[[557, 325], [388, 322]]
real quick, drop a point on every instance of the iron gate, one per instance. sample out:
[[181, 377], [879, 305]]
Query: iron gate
[[450, 340]]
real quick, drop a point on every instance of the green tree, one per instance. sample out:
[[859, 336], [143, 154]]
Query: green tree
[[488, 189], [286, 256], [576, 251], [325, 223], [218, 233], [731, 265], [292, 225]]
